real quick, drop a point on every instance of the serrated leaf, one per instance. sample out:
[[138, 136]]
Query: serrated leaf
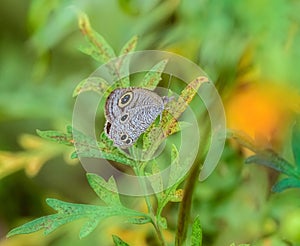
[[154, 135], [68, 212], [30, 227], [118, 241], [88, 147], [286, 184], [169, 124], [196, 237], [99, 49], [177, 107], [296, 144], [95, 84], [106, 191], [88, 227], [58, 137], [152, 78]]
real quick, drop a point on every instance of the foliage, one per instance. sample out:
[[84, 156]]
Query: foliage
[[237, 43], [107, 191], [269, 158], [68, 212]]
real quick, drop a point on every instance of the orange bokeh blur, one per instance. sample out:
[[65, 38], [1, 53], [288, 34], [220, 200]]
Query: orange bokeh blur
[[262, 110]]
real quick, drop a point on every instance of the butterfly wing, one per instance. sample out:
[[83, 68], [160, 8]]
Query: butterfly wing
[[129, 112]]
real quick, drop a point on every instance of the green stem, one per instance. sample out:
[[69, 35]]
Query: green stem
[[139, 170], [159, 233]]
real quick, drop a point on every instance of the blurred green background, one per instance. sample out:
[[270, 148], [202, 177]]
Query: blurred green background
[[250, 48]]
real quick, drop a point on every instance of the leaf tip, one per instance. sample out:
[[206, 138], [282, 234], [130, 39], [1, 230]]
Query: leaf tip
[[83, 22], [38, 132]]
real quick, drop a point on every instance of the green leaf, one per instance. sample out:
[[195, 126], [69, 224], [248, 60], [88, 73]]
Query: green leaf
[[118, 241], [196, 238], [129, 46], [31, 226], [39, 13], [88, 227], [106, 191], [169, 124], [243, 139], [95, 84], [121, 62], [68, 212], [271, 159], [175, 169], [177, 107], [296, 144], [156, 179], [175, 178], [88, 147], [162, 221], [155, 135], [152, 78], [175, 195], [286, 184], [99, 49], [138, 220], [58, 137]]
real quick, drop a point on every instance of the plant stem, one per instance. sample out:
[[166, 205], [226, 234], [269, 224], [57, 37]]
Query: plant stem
[[159, 233], [139, 170], [186, 204], [189, 187]]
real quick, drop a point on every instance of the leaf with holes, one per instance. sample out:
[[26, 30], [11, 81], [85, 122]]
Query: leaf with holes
[[106, 191], [95, 84], [58, 137], [152, 78], [99, 49], [88, 147], [68, 212], [168, 125], [122, 63]]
